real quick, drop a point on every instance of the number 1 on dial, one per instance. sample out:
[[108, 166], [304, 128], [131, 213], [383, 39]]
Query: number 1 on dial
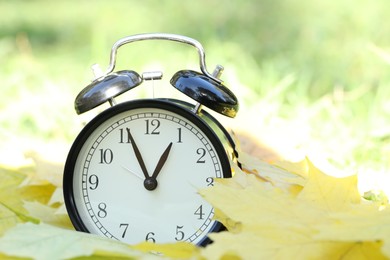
[[179, 139]]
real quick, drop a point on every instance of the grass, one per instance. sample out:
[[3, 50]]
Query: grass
[[314, 74]]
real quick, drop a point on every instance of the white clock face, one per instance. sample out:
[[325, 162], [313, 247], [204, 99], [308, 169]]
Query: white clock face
[[176, 158]]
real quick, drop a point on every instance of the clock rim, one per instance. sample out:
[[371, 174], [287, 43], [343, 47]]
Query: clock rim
[[179, 107]]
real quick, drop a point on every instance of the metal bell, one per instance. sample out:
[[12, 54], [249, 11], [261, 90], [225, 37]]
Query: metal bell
[[105, 89], [206, 91]]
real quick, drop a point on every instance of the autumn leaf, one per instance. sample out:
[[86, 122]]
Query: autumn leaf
[[271, 211], [11, 205], [47, 214], [45, 171], [364, 222], [254, 246], [35, 200], [274, 174], [300, 168], [328, 192], [271, 222], [180, 250], [21, 201], [48, 242]]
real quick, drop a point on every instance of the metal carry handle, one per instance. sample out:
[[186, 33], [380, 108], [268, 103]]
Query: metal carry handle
[[161, 36]]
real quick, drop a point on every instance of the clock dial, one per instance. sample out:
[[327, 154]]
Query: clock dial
[[136, 175]]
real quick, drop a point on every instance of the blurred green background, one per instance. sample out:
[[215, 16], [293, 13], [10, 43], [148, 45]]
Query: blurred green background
[[313, 75]]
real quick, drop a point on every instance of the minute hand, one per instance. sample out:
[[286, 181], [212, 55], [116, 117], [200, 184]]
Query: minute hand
[[162, 161], [138, 155]]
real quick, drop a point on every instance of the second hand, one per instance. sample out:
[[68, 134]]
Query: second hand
[[135, 174]]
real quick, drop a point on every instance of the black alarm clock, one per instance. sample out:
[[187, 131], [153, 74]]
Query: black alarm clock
[[134, 171]]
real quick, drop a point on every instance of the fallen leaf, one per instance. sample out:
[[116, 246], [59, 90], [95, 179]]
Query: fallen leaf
[[272, 211], [11, 205], [328, 192], [253, 246], [46, 170], [364, 222], [48, 215], [41, 193], [180, 250], [47, 242], [277, 176], [269, 222], [300, 168]]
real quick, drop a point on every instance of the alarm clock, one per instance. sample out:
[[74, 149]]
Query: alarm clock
[[134, 171]]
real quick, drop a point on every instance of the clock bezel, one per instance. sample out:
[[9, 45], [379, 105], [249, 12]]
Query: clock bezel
[[181, 108]]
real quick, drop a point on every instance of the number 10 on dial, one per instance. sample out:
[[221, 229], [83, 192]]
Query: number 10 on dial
[[134, 172]]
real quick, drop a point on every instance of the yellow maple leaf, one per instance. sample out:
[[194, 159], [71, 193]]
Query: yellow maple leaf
[[45, 170], [364, 222], [11, 209], [328, 192], [276, 175], [180, 250], [300, 168], [47, 214], [271, 222], [40, 193], [13, 193], [253, 246]]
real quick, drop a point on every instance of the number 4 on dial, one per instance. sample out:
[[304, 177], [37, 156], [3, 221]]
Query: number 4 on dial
[[199, 212]]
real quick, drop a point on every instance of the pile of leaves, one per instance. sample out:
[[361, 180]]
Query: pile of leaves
[[281, 210]]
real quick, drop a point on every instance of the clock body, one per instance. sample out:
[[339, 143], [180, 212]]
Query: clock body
[[104, 178]]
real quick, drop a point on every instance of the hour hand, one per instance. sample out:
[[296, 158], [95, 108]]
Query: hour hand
[[162, 161], [151, 182]]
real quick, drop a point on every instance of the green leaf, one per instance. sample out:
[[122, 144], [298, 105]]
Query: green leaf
[[48, 242], [11, 205]]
